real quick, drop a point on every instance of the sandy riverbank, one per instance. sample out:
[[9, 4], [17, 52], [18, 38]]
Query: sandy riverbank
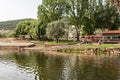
[[13, 43]]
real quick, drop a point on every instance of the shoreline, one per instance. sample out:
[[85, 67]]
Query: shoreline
[[18, 44], [56, 49]]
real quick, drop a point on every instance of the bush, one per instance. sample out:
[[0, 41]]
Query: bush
[[55, 30]]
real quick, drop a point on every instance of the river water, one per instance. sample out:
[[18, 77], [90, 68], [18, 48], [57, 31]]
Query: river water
[[34, 65]]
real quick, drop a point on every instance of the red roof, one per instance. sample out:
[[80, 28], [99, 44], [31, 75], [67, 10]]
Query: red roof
[[112, 32], [98, 35], [89, 35]]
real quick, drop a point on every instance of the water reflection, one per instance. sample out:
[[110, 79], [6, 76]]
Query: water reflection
[[40, 66]]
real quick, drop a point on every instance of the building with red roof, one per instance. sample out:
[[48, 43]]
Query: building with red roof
[[111, 36]]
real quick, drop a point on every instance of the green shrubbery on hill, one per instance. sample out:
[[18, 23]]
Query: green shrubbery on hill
[[11, 24]]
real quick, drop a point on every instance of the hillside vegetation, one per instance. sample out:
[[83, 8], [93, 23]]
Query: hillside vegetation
[[11, 24]]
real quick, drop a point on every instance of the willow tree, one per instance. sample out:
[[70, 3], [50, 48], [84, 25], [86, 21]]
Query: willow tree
[[27, 27]]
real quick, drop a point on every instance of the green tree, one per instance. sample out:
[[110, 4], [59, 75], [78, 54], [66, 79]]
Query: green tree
[[55, 29], [107, 17], [32, 32], [48, 11], [21, 28], [89, 14], [100, 15], [89, 19], [26, 28], [77, 12]]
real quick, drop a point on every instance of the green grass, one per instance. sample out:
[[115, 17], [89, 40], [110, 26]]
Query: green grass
[[61, 42], [110, 45], [102, 45], [70, 42], [84, 45]]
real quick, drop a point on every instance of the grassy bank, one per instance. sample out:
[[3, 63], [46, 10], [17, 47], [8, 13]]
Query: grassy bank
[[62, 42], [101, 46], [91, 48], [70, 42]]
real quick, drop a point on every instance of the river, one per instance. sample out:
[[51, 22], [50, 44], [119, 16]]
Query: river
[[35, 65]]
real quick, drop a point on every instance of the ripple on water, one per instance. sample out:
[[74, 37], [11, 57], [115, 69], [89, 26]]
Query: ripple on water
[[10, 71], [40, 66]]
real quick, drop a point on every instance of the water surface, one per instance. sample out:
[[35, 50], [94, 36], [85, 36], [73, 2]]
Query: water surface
[[34, 65]]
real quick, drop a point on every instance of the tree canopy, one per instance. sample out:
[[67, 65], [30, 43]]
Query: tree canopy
[[55, 29], [86, 15], [26, 28]]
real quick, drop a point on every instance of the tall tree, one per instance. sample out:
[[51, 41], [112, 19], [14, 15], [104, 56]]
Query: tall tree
[[107, 17], [77, 11], [101, 15], [89, 19], [48, 11]]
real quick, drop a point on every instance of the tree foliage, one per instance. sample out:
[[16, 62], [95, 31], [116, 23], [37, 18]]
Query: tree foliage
[[55, 29], [11, 24], [107, 17], [77, 12], [48, 11], [26, 28], [85, 15], [101, 15]]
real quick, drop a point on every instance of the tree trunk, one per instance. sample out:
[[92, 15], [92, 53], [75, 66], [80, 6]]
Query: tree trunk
[[31, 38], [38, 37], [77, 32], [57, 40], [78, 35]]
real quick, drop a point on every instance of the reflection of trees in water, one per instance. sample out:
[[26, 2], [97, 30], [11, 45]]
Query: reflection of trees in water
[[108, 70], [49, 68], [55, 65], [82, 68], [88, 69], [41, 69], [33, 62], [45, 68], [24, 60], [69, 68]]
